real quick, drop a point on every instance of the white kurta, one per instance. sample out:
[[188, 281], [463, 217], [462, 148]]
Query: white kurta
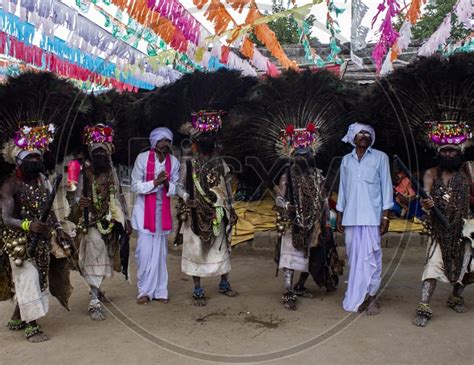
[[152, 249]]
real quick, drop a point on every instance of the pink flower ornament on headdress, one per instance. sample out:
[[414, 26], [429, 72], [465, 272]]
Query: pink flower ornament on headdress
[[98, 134], [296, 138], [449, 132], [207, 121], [37, 137]]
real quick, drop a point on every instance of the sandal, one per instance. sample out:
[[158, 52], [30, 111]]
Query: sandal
[[16, 324], [289, 300]]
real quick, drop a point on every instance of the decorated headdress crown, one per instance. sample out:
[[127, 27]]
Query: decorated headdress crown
[[297, 138], [34, 135], [207, 120], [98, 134], [449, 132]]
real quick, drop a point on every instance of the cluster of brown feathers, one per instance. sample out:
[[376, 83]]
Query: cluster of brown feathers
[[255, 111]]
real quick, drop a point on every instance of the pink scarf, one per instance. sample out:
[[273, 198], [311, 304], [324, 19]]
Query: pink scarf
[[150, 199]]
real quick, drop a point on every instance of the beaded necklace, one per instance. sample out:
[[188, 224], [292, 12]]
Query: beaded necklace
[[210, 178], [101, 206]]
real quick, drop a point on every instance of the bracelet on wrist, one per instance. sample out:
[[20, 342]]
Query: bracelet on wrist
[[386, 218], [25, 225]]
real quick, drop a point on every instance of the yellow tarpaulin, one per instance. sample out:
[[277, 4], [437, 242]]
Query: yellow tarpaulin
[[253, 217], [402, 225], [260, 216]]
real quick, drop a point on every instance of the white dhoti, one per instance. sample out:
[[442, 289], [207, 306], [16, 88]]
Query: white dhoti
[[197, 260], [95, 260], [434, 268], [365, 260], [290, 257], [152, 273], [33, 302]]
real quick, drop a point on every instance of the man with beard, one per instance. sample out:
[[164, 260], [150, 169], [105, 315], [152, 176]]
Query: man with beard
[[448, 255], [100, 196], [204, 187], [154, 177], [23, 198], [363, 204], [300, 201]]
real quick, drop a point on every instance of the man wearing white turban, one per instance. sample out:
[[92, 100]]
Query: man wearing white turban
[[154, 177], [364, 200]]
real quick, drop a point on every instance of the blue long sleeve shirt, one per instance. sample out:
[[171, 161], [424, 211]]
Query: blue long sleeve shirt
[[365, 188]]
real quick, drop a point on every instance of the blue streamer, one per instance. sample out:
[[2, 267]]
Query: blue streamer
[[25, 33]]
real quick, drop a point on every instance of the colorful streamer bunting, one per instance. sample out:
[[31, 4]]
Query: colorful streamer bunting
[[265, 35], [388, 35], [463, 10]]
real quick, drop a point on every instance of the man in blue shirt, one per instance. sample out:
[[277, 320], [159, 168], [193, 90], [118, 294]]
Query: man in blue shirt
[[364, 200]]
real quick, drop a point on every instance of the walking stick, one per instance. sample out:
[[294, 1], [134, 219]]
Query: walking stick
[[45, 211]]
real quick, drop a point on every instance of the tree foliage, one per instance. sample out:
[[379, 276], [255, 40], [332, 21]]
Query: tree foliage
[[433, 16], [286, 29]]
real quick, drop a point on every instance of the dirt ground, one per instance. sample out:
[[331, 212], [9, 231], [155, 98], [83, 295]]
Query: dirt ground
[[252, 327]]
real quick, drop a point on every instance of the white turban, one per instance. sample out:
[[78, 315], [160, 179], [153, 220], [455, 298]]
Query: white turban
[[158, 134], [356, 128]]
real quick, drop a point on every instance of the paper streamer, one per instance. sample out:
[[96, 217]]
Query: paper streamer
[[24, 32], [358, 32], [463, 10], [388, 35]]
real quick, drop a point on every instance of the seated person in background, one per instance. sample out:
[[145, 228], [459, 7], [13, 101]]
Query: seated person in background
[[406, 204]]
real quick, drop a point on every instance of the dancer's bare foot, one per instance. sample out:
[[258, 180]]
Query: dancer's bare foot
[[363, 307], [104, 298], [457, 304], [226, 289], [199, 302], [423, 314], [96, 312], [34, 334], [199, 297], [289, 301], [229, 293], [373, 308], [302, 291], [420, 320], [162, 300]]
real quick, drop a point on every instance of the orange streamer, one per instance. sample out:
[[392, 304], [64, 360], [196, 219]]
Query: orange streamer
[[137, 10], [217, 14], [199, 3], [265, 35], [238, 5], [165, 29], [414, 11], [247, 48]]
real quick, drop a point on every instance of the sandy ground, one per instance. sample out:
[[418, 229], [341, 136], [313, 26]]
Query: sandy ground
[[252, 327]]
